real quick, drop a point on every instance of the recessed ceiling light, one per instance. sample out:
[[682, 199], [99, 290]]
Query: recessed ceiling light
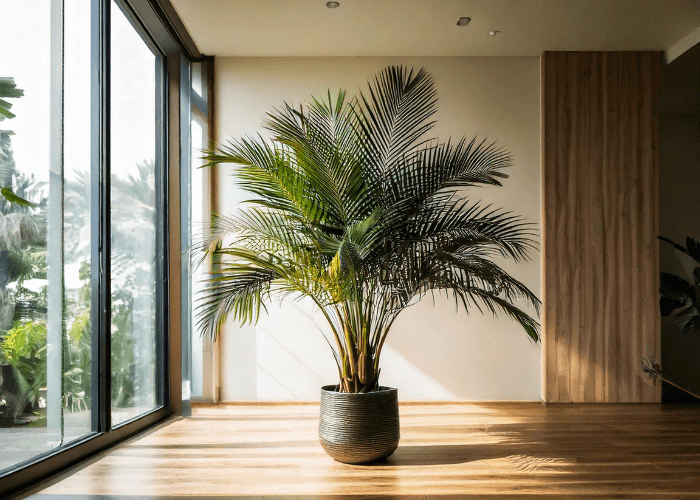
[[463, 21], [493, 33], [332, 5]]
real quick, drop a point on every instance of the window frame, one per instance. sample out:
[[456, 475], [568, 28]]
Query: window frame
[[161, 29], [198, 107], [161, 226]]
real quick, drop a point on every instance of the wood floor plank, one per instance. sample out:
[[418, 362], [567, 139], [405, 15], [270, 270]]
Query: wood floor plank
[[447, 451]]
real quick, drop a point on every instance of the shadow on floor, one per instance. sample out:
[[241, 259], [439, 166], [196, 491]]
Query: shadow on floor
[[524, 457], [527, 456]]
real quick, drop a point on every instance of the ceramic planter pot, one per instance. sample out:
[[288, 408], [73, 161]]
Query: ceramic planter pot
[[359, 428]]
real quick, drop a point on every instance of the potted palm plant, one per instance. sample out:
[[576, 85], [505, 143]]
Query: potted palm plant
[[354, 207]]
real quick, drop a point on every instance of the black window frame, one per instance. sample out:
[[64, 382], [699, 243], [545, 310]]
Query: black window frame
[[157, 23]]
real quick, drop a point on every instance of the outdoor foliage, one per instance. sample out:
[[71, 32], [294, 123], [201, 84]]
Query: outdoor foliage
[[8, 90], [353, 205], [24, 347], [23, 259]]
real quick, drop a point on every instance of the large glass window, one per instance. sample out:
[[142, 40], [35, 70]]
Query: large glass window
[[134, 142], [45, 240], [77, 244]]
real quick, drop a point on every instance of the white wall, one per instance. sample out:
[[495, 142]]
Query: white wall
[[433, 353]]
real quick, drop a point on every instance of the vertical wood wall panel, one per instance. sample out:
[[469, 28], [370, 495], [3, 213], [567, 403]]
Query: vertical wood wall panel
[[600, 222]]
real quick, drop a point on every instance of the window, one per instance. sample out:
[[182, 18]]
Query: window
[[45, 247], [199, 357], [134, 132], [83, 256]]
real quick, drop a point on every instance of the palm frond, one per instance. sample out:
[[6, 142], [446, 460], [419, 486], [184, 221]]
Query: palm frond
[[236, 292], [8, 89], [455, 222], [497, 304], [434, 168], [326, 150], [354, 206], [270, 175], [395, 116]]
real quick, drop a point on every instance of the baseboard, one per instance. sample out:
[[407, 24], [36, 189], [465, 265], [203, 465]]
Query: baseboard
[[401, 403]]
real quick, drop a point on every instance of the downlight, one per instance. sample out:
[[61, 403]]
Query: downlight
[[463, 21], [332, 5], [493, 33]]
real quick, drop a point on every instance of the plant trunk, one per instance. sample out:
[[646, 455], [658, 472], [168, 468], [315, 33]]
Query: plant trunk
[[360, 377], [358, 360]]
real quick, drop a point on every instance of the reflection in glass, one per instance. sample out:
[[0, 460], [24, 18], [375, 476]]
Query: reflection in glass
[[45, 331], [76, 224], [133, 257]]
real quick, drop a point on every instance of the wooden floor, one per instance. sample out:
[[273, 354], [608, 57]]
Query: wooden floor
[[455, 451]]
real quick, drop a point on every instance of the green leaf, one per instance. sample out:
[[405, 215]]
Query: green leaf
[[8, 88], [5, 111], [692, 248], [13, 198]]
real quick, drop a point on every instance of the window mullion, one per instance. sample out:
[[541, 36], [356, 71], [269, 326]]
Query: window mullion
[[100, 216], [55, 327]]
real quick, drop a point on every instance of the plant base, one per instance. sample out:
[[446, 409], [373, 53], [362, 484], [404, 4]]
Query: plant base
[[359, 428]]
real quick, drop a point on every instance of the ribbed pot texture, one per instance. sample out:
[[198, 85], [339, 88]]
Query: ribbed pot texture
[[359, 428]]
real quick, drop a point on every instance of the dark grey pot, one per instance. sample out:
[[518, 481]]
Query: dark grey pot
[[359, 428]]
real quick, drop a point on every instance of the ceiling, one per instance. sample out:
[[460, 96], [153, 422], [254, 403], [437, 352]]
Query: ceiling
[[428, 27]]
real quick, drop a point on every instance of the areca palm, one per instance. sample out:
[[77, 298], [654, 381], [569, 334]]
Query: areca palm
[[356, 207]]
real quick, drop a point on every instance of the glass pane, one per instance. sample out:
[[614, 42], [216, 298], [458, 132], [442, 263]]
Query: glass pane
[[24, 165], [197, 78], [45, 333], [133, 257], [76, 212], [201, 348]]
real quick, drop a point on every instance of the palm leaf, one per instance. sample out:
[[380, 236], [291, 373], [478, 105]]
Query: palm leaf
[[10, 196], [237, 292], [9, 89], [354, 206]]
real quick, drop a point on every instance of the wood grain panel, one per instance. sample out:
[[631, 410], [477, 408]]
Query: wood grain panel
[[599, 224]]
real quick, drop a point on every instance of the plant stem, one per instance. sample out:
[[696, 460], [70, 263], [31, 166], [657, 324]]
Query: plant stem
[[679, 387]]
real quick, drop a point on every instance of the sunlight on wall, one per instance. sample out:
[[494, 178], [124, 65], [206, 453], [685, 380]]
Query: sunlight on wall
[[433, 352], [293, 360], [413, 383]]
